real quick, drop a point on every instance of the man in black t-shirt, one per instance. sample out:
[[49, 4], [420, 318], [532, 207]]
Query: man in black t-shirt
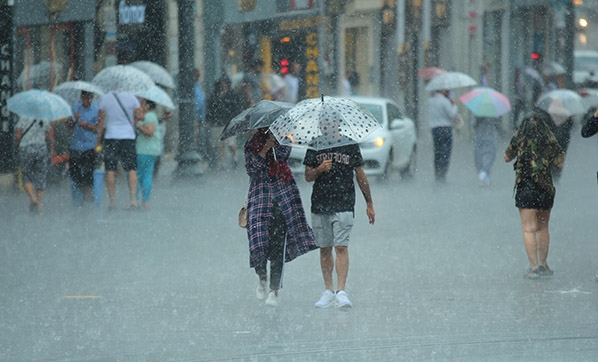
[[332, 207]]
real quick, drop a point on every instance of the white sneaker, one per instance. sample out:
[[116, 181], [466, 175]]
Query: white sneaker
[[260, 292], [272, 299], [342, 300], [326, 300]]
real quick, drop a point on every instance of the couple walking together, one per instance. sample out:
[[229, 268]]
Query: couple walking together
[[276, 224]]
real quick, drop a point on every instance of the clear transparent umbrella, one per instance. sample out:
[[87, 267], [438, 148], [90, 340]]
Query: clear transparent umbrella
[[39, 104], [325, 122], [450, 80], [158, 73], [71, 91], [561, 104], [123, 78]]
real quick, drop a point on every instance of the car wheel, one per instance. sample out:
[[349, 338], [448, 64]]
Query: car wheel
[[408, 172]]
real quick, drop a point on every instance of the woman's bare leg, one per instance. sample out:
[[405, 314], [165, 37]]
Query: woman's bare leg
[[543, 236], [529, 223]]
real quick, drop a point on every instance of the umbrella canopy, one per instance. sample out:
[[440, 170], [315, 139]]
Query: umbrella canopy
[[322, 123], [39, 104], [158, 96], [550, 68], [430, 72], [158, 73], [122, 78], [257, 116], [39, 75], [450, 80], [486, 102], [71, 91], [561, 104], [532, 73]]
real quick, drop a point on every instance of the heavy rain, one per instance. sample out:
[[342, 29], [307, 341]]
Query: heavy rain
[[123, 243]]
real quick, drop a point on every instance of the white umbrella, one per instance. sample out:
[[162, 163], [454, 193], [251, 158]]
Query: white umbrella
[[71, 91], [532, 73], [158, 96], [123, 78], [550, 68], [325, 122], [450, 80], [272, 83], [158, 73], [561, 104], [39, 104], [38, 75]]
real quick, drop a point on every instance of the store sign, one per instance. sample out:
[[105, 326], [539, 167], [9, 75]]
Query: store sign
[[312, 70], [290, 5], [5, 65], [130, 14], [6, 90]]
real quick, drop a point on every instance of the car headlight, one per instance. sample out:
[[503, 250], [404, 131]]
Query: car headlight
[[378, 142]]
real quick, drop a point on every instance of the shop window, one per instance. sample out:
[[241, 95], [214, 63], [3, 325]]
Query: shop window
[[247, 5], [45, 56]]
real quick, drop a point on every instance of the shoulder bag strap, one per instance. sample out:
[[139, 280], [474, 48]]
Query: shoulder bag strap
[[25, 132], [124, 111]]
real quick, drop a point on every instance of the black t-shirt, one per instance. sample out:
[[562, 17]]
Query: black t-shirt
[[334, 191]]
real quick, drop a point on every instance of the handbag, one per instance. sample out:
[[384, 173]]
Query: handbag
[[243, 216]]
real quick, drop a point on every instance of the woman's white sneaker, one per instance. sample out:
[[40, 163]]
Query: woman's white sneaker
[[260, 292], [272, 299]]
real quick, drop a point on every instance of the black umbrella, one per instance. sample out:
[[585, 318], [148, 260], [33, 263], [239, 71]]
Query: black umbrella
[[258, 116]]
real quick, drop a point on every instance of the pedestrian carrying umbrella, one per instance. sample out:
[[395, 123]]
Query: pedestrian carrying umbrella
[[561, 104], [257, 116], [158, 96], [486, 102], [430, 72], [39, 104], [71, 91], [158, 73], [450, 80], [326, 122], [122, 78]]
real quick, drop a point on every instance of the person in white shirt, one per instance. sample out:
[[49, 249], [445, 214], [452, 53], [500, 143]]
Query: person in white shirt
[[292, 81], [119, 114], [442, 112]]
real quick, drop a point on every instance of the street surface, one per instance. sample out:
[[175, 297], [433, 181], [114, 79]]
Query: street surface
[[437, 278]]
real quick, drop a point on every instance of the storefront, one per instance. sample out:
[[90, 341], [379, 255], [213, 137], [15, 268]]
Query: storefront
[[278, 33], [52, 43]]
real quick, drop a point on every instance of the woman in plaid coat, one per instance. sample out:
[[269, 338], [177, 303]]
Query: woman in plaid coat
[[276, 222]]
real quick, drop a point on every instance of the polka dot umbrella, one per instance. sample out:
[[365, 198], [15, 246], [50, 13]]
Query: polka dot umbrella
[[322, 123]]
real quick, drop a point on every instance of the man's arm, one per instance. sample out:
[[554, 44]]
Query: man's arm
[[364, 185], [311, 174]]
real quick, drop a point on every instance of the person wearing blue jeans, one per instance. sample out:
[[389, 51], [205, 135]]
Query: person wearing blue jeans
[[148, 146]]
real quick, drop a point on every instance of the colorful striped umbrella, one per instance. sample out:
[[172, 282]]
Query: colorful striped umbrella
[[486, 102]]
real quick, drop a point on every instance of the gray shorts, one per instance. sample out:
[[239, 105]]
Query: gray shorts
[[34, 161], [332, 230]]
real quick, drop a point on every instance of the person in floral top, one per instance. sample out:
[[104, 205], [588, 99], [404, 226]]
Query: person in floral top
[[536, 150]]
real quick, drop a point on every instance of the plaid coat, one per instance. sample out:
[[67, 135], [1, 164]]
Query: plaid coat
[[263, 192]]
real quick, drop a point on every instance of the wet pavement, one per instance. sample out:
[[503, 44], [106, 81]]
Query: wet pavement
[[437, 278]]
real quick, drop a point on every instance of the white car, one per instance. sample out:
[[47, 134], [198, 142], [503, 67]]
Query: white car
[[585, 66], [391, 147]]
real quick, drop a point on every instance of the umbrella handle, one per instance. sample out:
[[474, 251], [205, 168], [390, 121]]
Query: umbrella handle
[[274, 154]]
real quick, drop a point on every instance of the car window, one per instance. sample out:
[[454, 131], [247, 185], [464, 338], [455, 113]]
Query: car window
[[586, 63], [393, 112], [375, 109]]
